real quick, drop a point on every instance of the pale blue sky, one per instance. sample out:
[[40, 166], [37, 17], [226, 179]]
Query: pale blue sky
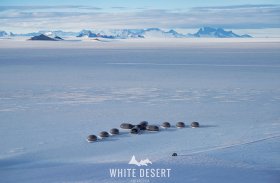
[[73, 15], [166, 4]]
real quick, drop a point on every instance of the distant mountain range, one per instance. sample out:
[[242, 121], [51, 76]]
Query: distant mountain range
[[218, 33], [43, 37], [133, 33], [5, 34]]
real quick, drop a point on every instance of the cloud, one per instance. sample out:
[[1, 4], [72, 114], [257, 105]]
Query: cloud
[[119, 7], [242, 16], [237, 6], [79, 17], [44, 8]]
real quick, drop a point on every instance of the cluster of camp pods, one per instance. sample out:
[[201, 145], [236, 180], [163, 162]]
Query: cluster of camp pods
[[136, 129]]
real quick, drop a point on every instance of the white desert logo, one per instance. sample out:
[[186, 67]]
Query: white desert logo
[[140, 173], [145, 162]]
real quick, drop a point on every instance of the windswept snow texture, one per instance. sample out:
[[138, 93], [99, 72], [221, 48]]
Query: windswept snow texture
[[53, 97]]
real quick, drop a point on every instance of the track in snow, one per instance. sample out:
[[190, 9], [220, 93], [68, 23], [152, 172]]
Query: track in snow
[[229, 146]]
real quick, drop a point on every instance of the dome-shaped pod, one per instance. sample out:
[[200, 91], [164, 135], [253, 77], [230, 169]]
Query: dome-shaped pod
[[152, 128], [180, 125], [174, 154], [194, 124], [114, 131], [104, 134], [92, 138], [142, 125], [126, 126], [166, 125], [145, 123], [135, 130]]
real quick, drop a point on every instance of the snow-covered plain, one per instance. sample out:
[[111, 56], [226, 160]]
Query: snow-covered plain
[[54, 94]]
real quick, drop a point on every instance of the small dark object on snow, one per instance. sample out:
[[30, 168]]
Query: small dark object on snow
[[135, 130], [103, 134], [91, 138], [166, 125], [152, 128], [174, 154], [142, 125], [195, 124], [180, 125], [126, 126], [114, 131]]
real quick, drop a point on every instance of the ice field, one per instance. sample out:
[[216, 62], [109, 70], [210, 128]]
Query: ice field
[[54, 94]]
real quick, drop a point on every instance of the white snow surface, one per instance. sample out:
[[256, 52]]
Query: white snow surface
[[54, 94]]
